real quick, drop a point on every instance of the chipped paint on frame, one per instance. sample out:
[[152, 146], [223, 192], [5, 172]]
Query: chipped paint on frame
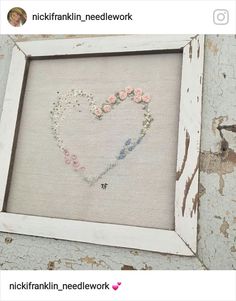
[[213, 250], [182, 240], [187, 182]]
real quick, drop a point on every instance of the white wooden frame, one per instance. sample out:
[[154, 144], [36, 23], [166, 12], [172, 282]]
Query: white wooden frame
[[182, 240]]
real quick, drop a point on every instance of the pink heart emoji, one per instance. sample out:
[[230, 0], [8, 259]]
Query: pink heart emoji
[[119, 283], [115, 287]]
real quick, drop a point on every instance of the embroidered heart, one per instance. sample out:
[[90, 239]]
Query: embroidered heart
[[71, 101]]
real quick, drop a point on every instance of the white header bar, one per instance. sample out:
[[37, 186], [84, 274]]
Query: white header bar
[[111, 17]]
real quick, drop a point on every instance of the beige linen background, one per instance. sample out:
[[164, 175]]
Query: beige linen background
[[141, 188]]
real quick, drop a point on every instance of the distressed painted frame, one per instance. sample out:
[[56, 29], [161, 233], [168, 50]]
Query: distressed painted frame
[[180, 241]]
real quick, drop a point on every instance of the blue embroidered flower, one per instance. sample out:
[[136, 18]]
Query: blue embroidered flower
[[128, 142], [139, 140], [122, 152], [121, 156], [131, 147]]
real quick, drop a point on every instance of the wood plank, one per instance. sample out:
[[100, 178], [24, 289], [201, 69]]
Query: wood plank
[[189, 142], [97, 233], [107, 44], [9, 116]]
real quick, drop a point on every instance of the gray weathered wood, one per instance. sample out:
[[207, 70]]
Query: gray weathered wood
[[216, 238]]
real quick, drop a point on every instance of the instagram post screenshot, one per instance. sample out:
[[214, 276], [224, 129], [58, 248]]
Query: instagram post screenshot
[[118, 150]]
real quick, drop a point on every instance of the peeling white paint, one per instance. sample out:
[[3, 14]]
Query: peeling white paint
[[215, 251]]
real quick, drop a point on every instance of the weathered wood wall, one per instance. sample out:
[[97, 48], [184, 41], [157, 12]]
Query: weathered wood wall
[[217, 211]]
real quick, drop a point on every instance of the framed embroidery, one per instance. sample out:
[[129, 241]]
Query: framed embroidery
[[100, 141], [70, 101]]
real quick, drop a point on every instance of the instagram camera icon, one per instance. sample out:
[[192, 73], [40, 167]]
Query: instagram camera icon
[[221, 16]]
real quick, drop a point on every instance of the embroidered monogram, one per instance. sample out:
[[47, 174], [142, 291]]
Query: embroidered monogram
[[69, 101]]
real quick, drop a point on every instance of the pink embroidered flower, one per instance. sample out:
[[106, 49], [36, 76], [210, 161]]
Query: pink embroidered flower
[[106, 108], [138, 91], [146, 98], [76, 164], [137, 98], [73, 157], [66, 152], [122, 95], [112, 99], [129, 90], [98, 112], [67, 160]]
